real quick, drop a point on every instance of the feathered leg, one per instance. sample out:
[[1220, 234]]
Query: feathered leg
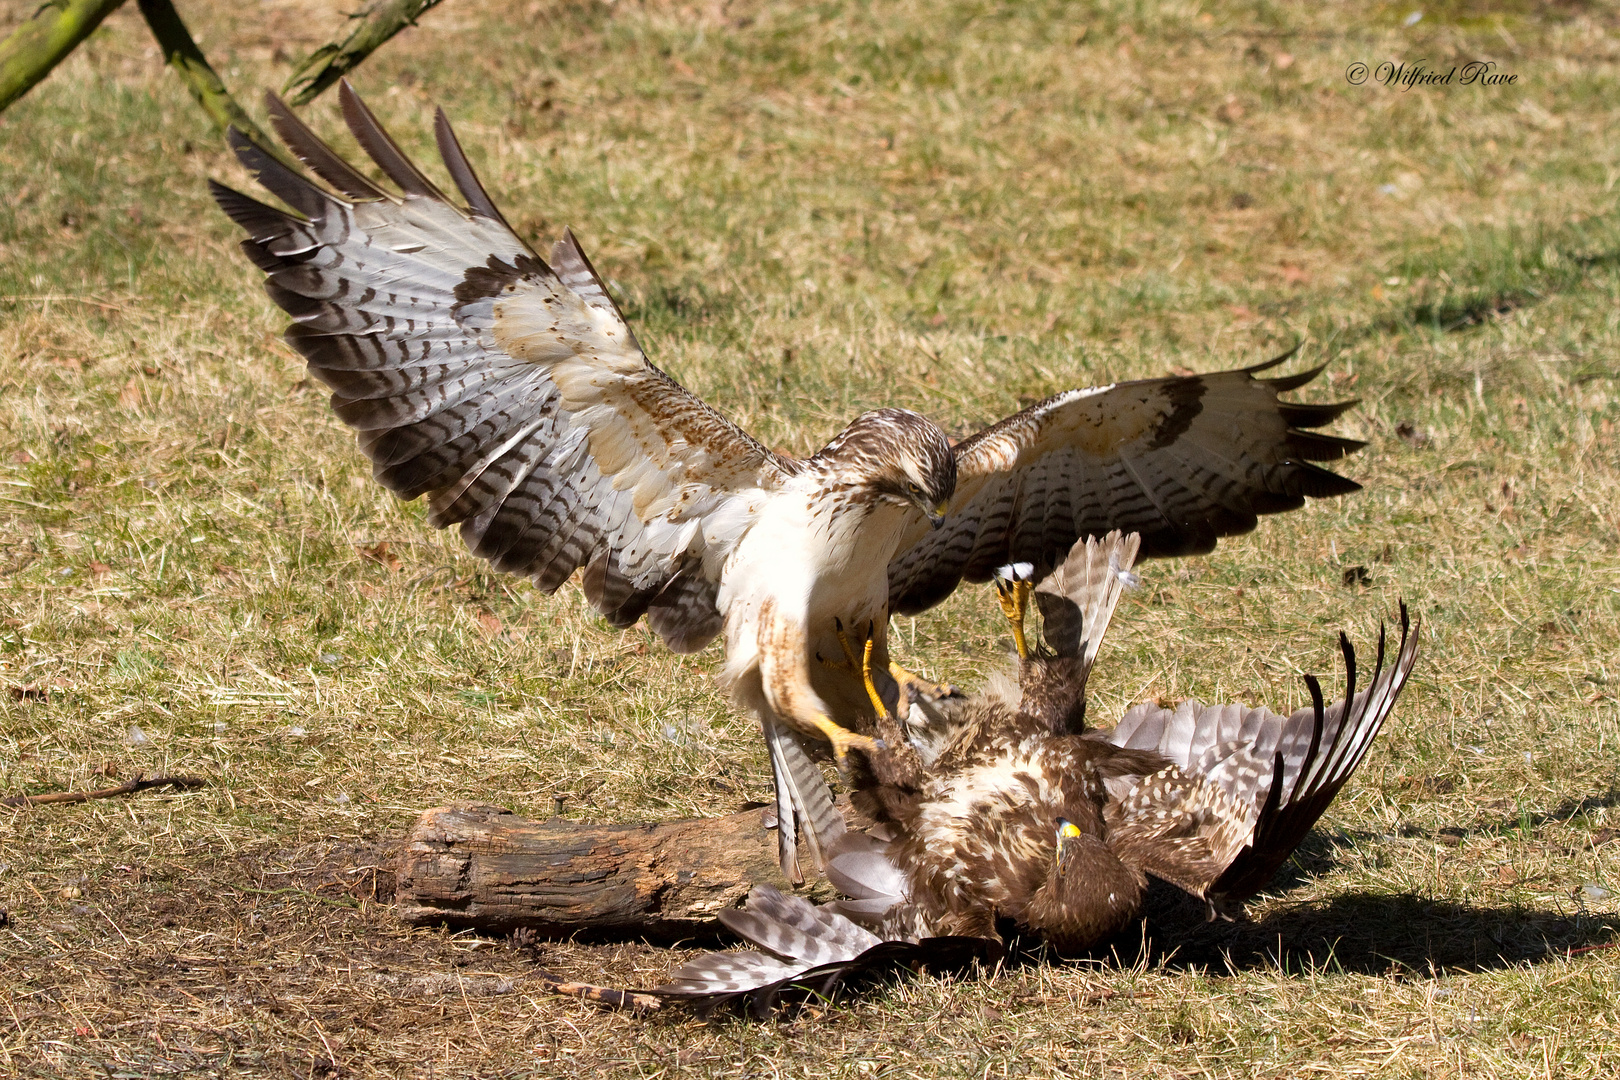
[[802, 798], [1013, 587]]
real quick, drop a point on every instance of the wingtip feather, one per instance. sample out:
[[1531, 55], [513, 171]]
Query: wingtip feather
[[377, 143]]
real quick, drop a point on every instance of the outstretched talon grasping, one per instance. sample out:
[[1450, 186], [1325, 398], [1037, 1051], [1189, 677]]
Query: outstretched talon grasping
[[863, 665], [844, 740], [914, 686], [1013, 586]]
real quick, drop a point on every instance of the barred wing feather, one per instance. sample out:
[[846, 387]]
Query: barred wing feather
[[1257, 782], [798, 947], [793, 928], [505, 387], [1182, 461]]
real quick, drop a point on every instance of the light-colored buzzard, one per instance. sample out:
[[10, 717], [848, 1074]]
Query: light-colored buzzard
[[509, 390]]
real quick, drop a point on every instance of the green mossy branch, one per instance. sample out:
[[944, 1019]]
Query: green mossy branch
[[378, 21], [58, 27], [181, 53], [45, 40]]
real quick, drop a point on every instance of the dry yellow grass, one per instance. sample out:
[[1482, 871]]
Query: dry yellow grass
[[811, 209]]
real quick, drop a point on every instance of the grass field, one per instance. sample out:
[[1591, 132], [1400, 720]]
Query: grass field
[[810, 209]]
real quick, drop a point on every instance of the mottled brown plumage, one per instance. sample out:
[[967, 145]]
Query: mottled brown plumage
[[1017, 812], [1003, 816], [509, 390]]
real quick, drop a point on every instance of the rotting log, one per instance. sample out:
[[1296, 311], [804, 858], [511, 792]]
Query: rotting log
[[471, 866]]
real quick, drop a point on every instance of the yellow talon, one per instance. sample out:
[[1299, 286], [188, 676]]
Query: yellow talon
[[866, 677], [1014, 596], [910, 682], [850, 663], [865, 664], [843, 740]]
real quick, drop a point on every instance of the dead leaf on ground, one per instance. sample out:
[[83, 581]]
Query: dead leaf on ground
[[99, 568], [490, 622], [35, 691], [379, 553], [130, 395]]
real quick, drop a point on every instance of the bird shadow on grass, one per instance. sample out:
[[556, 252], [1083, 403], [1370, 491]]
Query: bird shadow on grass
[[1400, 935]]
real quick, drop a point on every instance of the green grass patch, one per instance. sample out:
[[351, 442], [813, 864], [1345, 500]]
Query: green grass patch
[[810, 210]]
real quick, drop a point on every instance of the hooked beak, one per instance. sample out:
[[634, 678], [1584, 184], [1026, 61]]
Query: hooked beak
[[1067, 832], [936, 513]]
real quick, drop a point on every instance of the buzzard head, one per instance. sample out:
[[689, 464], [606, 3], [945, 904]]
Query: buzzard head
[[1088, 895], [895, 456]]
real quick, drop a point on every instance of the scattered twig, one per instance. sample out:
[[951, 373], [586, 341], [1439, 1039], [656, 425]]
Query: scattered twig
[[378, 21], [60, 298], [600, 995], [1097, 997], [1594, 948], [185, 783]]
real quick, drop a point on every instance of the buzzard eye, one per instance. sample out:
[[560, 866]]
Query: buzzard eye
[[914, 491]]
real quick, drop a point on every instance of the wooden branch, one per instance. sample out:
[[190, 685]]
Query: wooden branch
[[379, 21], [472, 866], [632, 1000], [185, 783], [44, 40], [181, 53]]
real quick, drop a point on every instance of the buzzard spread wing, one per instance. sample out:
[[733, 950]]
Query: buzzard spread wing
[[505, 387], [1181, 460], [803, 947], [1245, 785]]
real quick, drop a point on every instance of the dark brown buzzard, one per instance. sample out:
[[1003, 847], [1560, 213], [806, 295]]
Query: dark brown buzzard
[[1021, 816]]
